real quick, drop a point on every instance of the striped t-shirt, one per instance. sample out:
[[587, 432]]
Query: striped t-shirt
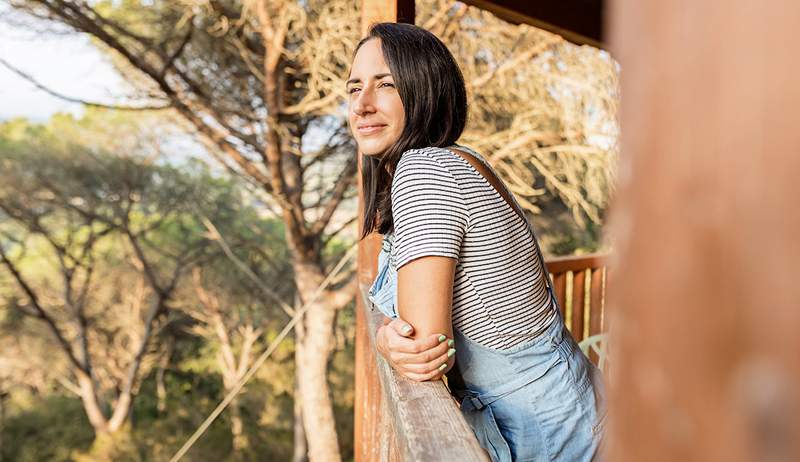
[[441, 205]]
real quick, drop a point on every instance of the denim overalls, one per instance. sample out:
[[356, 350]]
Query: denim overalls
[[542, 400]]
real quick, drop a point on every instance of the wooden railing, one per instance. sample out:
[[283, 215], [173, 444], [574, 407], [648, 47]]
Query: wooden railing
[[580, 287], [414, 420], [403, 420]]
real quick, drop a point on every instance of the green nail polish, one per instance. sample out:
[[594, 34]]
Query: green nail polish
[[441, 338], [450, 343], [443, 367], [451, 352]]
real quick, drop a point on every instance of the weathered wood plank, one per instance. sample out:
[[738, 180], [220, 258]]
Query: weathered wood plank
[[596, 300], [426, 421], [578, 292], [560, 288], [368, 406], [596, 307]]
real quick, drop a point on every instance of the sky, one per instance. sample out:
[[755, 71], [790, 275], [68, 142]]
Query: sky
[[68, 64]]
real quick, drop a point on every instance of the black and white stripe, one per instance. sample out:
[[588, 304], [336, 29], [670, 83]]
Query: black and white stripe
[[443, 206]]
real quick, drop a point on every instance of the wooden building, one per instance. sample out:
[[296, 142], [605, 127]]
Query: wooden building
[[706, 307]]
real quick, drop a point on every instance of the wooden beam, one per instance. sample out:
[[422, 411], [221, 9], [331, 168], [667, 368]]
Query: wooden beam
[[579, 21], [373, 11], [707, 230], [368, 406]]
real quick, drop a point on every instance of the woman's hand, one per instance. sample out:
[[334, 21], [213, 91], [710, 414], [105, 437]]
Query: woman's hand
[[422, 359]]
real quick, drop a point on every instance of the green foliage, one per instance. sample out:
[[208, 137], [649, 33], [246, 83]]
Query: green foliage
[[48, 428], [51, 175]]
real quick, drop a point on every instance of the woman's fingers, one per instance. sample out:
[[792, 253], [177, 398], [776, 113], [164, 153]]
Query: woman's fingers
[[403, 328], [420, 359], [433, 375], [398, 343], [440, 348], [437, 363]]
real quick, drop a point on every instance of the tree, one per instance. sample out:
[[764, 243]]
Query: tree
[[120, 235], [227, 299], [254, 79]]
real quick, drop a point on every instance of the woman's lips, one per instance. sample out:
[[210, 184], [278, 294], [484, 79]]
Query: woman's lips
[[369, 129]]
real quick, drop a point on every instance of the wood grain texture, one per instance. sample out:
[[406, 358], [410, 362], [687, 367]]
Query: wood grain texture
[[578, 306], [421, 417], [706, 302], [596, 307], [368, 445]]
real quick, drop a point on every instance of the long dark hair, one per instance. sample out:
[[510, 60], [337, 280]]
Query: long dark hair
[[434, 98]]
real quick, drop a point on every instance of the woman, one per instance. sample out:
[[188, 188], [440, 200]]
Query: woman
[[460, 271]]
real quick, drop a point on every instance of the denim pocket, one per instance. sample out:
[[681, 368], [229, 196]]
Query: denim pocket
[[484, 425], [577, 363]]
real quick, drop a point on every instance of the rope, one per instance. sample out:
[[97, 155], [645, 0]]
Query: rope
[[257, 364]]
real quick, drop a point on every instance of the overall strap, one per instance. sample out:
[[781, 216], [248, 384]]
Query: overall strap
[[518, 210]]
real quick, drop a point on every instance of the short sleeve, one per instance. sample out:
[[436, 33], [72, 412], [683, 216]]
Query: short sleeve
[[428, 209]]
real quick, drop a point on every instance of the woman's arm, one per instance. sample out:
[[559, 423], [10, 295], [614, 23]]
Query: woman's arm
[[430, 219], [425, 299]]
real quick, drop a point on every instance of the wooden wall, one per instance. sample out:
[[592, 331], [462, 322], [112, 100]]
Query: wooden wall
[[705, 309]]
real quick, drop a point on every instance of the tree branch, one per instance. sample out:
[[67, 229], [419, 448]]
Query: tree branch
[[345, 180], [41, 313], [47, 90], [216, 236]]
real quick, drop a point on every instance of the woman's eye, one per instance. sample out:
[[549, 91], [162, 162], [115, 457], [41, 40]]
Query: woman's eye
[[353, 89]]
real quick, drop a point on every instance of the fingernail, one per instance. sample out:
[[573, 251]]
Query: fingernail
[[450, 343], [406, 329], [441, 338], [443, 367], [451, 352]]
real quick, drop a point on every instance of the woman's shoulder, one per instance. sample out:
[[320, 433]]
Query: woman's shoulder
[[431, 159], [426, 171], [425, 154], [435, 157]]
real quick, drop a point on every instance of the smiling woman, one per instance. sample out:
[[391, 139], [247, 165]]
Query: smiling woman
[[376, 110], [460, 269]]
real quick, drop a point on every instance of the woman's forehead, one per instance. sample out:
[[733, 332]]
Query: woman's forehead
[[369, 59]]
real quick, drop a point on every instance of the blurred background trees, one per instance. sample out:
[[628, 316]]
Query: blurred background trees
[[152, 248]]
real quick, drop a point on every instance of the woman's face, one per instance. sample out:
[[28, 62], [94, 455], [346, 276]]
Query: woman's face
[[375, 114]]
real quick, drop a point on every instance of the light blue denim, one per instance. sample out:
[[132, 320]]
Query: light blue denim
[[542, 400]]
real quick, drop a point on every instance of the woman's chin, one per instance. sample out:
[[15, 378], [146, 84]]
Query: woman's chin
[[372, 149]]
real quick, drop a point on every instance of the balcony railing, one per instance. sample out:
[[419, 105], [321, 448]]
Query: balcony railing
[[403, 420]]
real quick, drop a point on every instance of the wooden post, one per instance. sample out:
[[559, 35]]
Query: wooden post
[[367, 406], [706, 308]]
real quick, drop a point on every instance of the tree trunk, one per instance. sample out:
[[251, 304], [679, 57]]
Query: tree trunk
[[300, 444], [161, 390], [91, 405], [3, 396], [317, 407], [240, 443]]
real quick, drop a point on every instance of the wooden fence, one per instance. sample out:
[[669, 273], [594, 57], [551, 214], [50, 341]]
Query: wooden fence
[[402, 420]]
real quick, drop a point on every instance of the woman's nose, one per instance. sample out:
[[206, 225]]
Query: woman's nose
[[364, 103]]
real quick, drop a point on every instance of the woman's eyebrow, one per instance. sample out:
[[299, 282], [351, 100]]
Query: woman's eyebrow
[[376, 76]]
